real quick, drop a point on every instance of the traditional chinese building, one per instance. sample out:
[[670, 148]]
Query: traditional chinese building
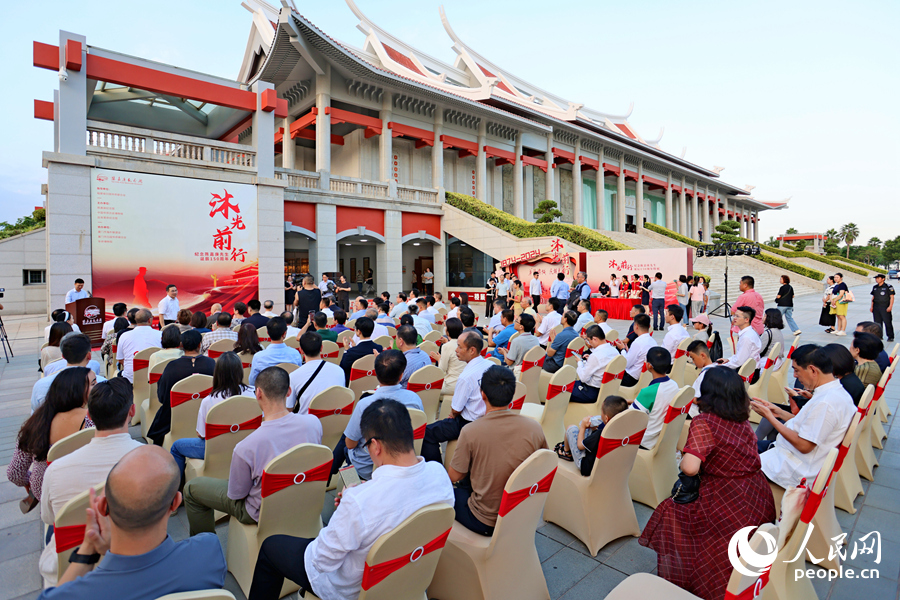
[[343, 154]]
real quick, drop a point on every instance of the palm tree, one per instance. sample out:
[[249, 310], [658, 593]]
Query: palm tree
[[791, 231], [832, 234], [849, 233], [874, 242]]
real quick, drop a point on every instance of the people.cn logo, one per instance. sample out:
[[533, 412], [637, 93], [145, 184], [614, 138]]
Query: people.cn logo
[[91, 312], [102, 177], [739, 545]]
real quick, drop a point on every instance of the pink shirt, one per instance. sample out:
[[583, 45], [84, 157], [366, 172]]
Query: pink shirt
[[752, 299]]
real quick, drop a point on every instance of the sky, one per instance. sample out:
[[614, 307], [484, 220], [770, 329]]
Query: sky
[[797, 98]]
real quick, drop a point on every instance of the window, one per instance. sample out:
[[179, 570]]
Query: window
[[466, 266], [34, 277]]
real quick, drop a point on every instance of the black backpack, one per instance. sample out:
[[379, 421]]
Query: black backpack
[[715, 353]]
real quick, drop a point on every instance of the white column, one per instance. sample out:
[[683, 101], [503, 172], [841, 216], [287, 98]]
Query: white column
[[756, 230], [385, 145], [725, 206], [704, 209], [263, 135], [270, 233], [518, 182], [620, 195], [639, 198], [550, 189], [715, 209], [440, 267], [288, 147], [481, 165], [71, 117], [323, 252], [682, 211], [68, 243], [695, 215], [389, 272], [323, 121], [669, 215], [601, 195], [437, 155], [577, 217]]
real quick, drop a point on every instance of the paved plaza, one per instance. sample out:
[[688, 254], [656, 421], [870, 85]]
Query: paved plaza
[[570, 571]]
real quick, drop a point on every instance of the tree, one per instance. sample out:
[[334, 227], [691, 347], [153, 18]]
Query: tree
[[831, 247], [891, 251], [772, 241], [832, 234], [874, 242], [37, 219], [791, 231], [800, 246], [727, 231], [849, 233], [546, 212]]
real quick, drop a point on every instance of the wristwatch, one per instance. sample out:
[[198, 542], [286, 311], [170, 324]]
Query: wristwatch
[[84, 559]]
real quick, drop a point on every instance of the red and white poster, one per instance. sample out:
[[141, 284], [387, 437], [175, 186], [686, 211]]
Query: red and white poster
[[671, 262], [148, 231], [547, 262]]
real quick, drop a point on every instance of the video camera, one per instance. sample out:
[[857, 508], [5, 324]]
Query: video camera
[[1, 292]]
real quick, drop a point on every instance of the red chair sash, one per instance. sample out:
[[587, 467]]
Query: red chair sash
[[360, 373], [375, 574], [709, 344], [527, 364], [812, 504], [607, 445], [484, 353], [555, 390], [176, 398], [790, 352], [679, 353], [644, 368], [672, 413], [327, 354], [747, 378], [140, 363], [155, 377], [346, 410], [842, 454], [879, 391], [423, 387], [517, 403], [214, 430], [265, 339], [571, 352], [272, 483], [769, 363], [419, 433], [68, 537], [510, 500], [215, 353], [752, 592], [607, 377]]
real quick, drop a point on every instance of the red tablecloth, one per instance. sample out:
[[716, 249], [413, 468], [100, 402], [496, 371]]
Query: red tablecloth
[[618, 308]]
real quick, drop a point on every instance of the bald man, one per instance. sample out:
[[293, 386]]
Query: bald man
[[127, 528]]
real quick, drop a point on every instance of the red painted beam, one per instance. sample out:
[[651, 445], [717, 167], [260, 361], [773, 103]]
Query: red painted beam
[[303, 122], [308, 134], [73, 55], [43, 110], [676, 188], [46, 56], [562, 156], [505, 155], [610, 169], [268, 100], [465, 147], [423, 137], [281, 108], [632, 175], [234, 131], [535, 162], [589, 163]]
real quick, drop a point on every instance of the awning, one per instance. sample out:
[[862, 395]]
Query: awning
[[503, 157], [465, 147], [423, 137]]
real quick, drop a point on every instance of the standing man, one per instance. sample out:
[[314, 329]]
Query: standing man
[[534, 289], [370, 282], [428, 281], [168, 306], [560, 289], [326, 287], [613, 286], [582, 289], [78, 293], [750, 297], [503, 287], [881, 307], [658, 301], [343, 294]]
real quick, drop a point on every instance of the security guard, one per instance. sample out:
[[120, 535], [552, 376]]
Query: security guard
[[882, 305]]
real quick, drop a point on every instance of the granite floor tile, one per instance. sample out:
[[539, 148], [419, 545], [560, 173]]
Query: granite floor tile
[[882, 497], [881, 588], [632, 558], [596, 584], [565, 569], [875, 519], [24, 538], [20, 576], [546, 547], [888, 567], [557, 533]]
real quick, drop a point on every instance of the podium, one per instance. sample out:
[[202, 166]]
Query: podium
[[89, 315]]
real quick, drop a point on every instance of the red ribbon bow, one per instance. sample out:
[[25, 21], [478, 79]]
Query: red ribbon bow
[[607, 377], [517, 403], [375, 574], [570, 352], [176, 398], [510, 500], [139, 363], [423, 387], [672, 413], [155, 377], [555, 390], [360, 373], [419, 433], [346, 410], [272, 483], [68, 536], [607, 445], [214, 430], [752, 592], [527, 364]]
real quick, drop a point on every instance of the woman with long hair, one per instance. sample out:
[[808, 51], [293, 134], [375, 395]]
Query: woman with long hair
[[691, 540], [772, 334], [51, 351], [645, 293], [248, 339], [228, 381], [63, 412]]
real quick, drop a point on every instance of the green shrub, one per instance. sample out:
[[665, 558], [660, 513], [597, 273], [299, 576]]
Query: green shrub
[[790, 266], [671, 234], [861, 264], [810, 255], [576, 234]]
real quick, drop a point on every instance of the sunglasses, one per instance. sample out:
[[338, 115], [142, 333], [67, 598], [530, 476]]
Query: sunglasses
[[369, 441]]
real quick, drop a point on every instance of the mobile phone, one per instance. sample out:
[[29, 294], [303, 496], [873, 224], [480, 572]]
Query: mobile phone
[[349, 476], [311, 313]]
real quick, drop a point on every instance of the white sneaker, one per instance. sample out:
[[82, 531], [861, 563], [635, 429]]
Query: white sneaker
[[798, 332], [840, 333]]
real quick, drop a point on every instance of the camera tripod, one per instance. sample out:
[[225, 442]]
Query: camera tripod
[[725, 307], [4, 341]]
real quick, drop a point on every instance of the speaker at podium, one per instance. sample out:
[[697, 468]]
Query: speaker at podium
[[89, 315]]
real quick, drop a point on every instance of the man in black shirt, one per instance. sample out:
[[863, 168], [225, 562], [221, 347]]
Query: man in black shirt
[[636, 310], [181, 368], [364, 328], [883, 305], [258, 320]]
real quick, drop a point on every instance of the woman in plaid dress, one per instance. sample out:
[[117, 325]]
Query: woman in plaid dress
[[691, 540]]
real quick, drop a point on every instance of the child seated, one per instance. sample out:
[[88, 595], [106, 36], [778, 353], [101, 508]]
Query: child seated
[[581, 445]]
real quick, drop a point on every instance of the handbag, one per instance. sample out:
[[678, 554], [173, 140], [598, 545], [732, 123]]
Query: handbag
[[686, 489]]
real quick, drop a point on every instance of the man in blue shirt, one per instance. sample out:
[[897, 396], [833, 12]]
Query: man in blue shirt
[[416, 358], [556, 353], [76, 350], [276, 352], [389, 367], [560, 289], [501, 338], [78, 293], [582, 289], [127, 528], [361, 305]]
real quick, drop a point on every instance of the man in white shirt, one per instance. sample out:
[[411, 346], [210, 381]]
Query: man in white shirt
[[550, 320], [590, 370], [805, 439], [268, 306], [421, 324], [325, 307], [583, 307], [332, 564], [384, 317], [453, 313], [636, 354], [748, 343], [422, 310], [502, 287], [535, 289], [316, 375], [140, 338], [613, 286], [467, 404], [430, 307], [111, 408], [168, 306], [658, 301], [439, 301], [78, 292], [119, 309], [698, 352], [676, 332], [378, 331], [600, 318], [494, 324]]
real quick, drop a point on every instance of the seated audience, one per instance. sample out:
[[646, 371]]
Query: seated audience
[[240, 313], [416, 358], [656, 397], [198, 322], [319, 324], [332, 564], [583, 308], [556, 352], [422, 310], [315, 376], [748, 342], [340, 322], [130, 316], [549, 321], [119, 309], [58, 365], [600, 318], [276, 352], [773, 324], [467, 404], [495, 324], [698, 353], [183, 320], [127, 527], [525, 341], [268, 309], [691, 540], [455, 303], [582, 440], [292, 332], [842, 367], [379, 330], [111, 408], [883, 359], [171, 347], [423, 327], [247, 340], [383, 317], [228, 378], [51, 351], [400, 306], [636, 353], [805, 439], [590, 370], [240, 495], [637, 309], [62, 413], [389, 368], [447, 359], [438, 301], [213, 318], [499, 339], [106, 350], [76, 352], [60, 316], [676, 331], [865, 348], [181, 368], [327, 307], [365, 346], [702, 326], [140, 338], [359, 308], [256, 319], [489, 450]]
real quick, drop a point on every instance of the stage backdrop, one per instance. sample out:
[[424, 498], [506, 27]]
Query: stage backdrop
[[148, 231], [671, 262]]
